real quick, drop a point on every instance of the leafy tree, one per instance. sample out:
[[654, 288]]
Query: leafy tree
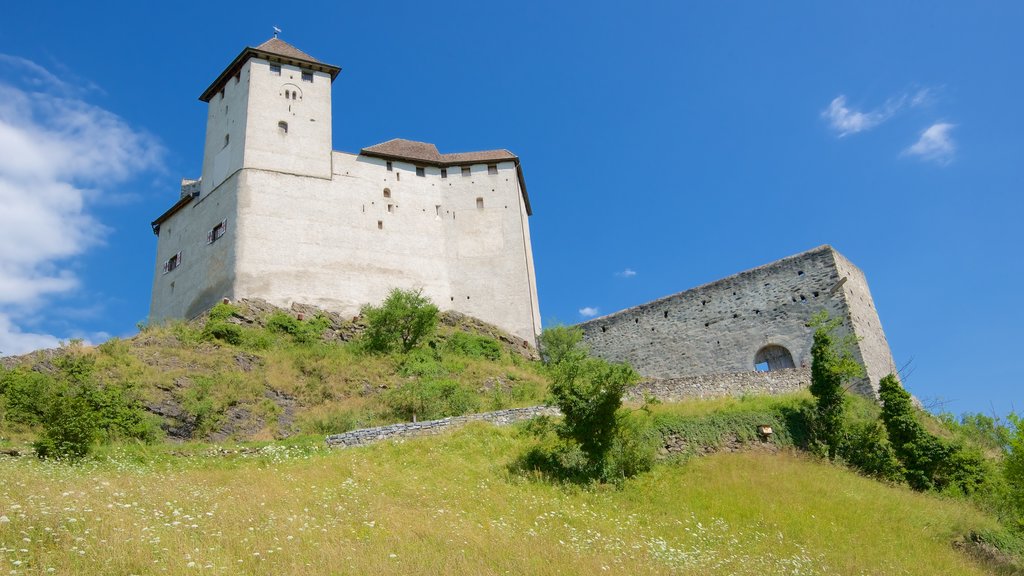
[[562, 343], [832, 367], [589, 392], [594, 438], [401, 322], [929, 461], [1013, 465]]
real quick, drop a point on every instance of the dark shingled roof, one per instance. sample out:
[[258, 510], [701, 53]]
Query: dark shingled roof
[[282, 48], [274, 50], [427, 154]]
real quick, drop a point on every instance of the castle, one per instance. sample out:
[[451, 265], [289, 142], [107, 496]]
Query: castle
[[278, 215]]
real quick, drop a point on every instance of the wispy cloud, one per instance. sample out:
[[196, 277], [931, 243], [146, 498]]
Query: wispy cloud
[[588, 312], [845, 120], [627, 273], [935, 144], [57, 153]]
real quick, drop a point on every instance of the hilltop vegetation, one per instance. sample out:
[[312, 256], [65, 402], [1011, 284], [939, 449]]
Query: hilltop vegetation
[[767, 501], [250, 371]]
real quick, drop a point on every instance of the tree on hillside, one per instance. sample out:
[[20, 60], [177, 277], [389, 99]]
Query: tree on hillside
[[591, 440], [1014, 466], [832, 367], [404, 320]]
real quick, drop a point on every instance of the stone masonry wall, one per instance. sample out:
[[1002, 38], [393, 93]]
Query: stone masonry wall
[[670, 390], [718, 328], [719, 385], [428, 427]]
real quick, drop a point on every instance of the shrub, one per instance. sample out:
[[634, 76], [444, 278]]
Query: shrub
[[473, 346], [832, 366], [561, 343], [223, 331], [868, 449], [301, 331], [422, 363], [1013, 466], [430, 400], [590, 442], [401, 322], [69, 425], [929, 462]]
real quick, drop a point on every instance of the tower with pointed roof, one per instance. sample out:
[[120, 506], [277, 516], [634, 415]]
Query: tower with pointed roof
[[279, 215]]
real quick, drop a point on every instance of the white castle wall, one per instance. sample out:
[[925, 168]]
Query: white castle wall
[[313, 226]]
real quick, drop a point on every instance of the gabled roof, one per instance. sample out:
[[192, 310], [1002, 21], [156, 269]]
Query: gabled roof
[[274, 50], [426, 154]]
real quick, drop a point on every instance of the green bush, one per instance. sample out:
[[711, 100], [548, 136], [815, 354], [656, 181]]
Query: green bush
[[832, 367], [929, 461], [404, 320], [866, 447], [1013, 466], [430, 400], [223, 331], [561, 343], [588, 391], [473, 346], [422, 363], [69, 425], [301, 331], [24, 395]]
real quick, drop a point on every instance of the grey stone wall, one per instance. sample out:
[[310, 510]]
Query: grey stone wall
[[719, 385], [718, 328], [668, 390], [427, 427]]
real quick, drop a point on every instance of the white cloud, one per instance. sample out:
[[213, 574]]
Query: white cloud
[[935, 144], [57, 153], [845, 120], [588, 312], [627, 273]]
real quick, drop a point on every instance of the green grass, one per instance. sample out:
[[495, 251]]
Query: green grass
[[449, 505]]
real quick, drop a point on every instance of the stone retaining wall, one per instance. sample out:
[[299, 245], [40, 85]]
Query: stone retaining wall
[[669, 390], [500, 418], [718, 385]]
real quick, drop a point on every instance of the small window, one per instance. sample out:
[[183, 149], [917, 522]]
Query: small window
[[421, 171], [282, 126], [287, 94], [391, 208], [479, 203], [227, 140], [437, 209], [172, 263], [307, 76], [444, 172], [387, 192], [380, 224], [492, 168], [390, 167], [275, 69], [465, 171], [217, 232]]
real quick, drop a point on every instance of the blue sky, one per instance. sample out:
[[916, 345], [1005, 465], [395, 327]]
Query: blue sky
[[664, 145]]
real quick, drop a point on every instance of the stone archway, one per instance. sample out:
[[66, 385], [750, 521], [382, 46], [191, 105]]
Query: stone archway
[[773, 357]]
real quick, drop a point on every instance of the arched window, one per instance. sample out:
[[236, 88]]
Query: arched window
[[387, 192], [282, 126], [773, 357]]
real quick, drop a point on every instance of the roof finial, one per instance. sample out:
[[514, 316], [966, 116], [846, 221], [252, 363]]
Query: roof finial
[[276, 31]]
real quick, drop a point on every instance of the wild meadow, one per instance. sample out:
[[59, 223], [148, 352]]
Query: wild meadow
[[451, 505]]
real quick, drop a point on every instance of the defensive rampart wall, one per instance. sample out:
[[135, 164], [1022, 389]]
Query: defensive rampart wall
[[758, 319]]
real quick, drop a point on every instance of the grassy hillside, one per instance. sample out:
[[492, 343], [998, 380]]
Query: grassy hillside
[[449, 505], [257, 372]]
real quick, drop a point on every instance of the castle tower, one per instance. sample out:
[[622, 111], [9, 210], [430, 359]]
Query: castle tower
[[280, 216], [269, 109]]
